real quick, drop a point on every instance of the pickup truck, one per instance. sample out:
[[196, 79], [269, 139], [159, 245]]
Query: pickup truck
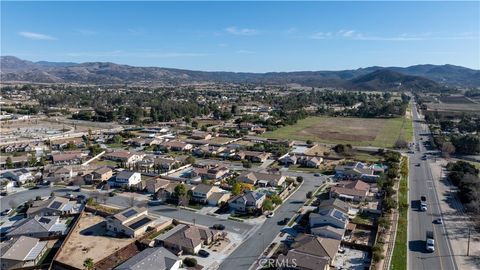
[[430, 242]]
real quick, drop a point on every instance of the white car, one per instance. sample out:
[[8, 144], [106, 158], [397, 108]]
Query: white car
[[270, 215]]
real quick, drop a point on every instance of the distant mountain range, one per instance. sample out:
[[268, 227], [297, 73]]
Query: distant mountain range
[[418, 77]]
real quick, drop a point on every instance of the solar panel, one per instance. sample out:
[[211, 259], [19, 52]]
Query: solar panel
[[139, 223], [44, 220], [55, 205], [129, 213], [338, 215]]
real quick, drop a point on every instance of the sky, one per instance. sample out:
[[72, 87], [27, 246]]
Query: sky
[[244, 36]]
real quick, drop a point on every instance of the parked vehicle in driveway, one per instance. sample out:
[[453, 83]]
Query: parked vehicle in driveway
[[203, 253]]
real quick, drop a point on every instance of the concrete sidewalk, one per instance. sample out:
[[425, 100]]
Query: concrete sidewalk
[[456, 222]]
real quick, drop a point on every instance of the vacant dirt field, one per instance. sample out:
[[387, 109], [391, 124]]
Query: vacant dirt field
[[88, 241], [356, 131]]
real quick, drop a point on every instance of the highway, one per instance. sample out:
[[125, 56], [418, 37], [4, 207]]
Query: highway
[[421, 182]]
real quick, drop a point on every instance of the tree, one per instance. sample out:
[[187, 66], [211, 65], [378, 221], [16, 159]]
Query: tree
[[309, 195], [190, 160], [247, 164], [180, 190], [267, 205], [9, 163], [401, 144], [299, 179], [236, 188], [32, 161], [309, 142], [447, 149], [190, 262], [276, 199], [194, 124], [88, 263]]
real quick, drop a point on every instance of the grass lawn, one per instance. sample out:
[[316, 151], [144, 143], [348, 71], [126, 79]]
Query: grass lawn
[[399, 257], [355, 131], [153, 235], [109, 163]]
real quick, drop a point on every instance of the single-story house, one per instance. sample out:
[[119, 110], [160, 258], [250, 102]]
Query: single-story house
[[39, 226], [67, 159], [21, 252], [262, 179], [158, 258], [54, 206], [131, 222], [331, 217], [187, 239]]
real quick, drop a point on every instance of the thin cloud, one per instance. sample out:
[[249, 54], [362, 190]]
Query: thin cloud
[[241, 31], [244, 52], [86, 32], [36, 36], [354, 35]]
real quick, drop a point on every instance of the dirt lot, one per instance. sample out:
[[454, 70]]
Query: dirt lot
[[88, 241]]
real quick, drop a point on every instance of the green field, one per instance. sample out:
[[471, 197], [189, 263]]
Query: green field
[[355, 131]]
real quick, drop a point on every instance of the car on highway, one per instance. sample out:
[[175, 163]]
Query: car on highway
[[438, 221], [418, 164], [203, 253], [430, 242], [423, 203], [316, 174]]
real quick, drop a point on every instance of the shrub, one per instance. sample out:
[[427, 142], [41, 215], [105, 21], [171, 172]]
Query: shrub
[[190, 262]]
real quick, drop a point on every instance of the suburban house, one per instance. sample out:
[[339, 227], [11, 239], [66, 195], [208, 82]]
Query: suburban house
[[208, 150], [20, 176], [126, 178], [328, 232], [21, 252], [313, 252], [201, 135], [350, 190], [218, 198], [131, 222], [39, 226], [334, 203], [288, 160], [310, 162], [54, 206], [252, 156], [201, 192], [250, 201], [209, 172], [166, 164], [140, 141], [158, 258], [358, 170], [330, 217], [154, 185], [125, 157], [175, 145], [187, 239], [67, 159], [63, 173], [303, 261], [102, 174], [63, 144], [262, 179]]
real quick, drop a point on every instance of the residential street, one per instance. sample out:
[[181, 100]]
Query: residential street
[[246, 254]]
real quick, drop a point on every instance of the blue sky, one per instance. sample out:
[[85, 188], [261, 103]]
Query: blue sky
[[245, 36]]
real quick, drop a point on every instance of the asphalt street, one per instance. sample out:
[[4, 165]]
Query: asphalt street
[[249, 251], [421, 182]]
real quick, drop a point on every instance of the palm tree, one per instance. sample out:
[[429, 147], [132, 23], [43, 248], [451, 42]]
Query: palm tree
[[88, 263]]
